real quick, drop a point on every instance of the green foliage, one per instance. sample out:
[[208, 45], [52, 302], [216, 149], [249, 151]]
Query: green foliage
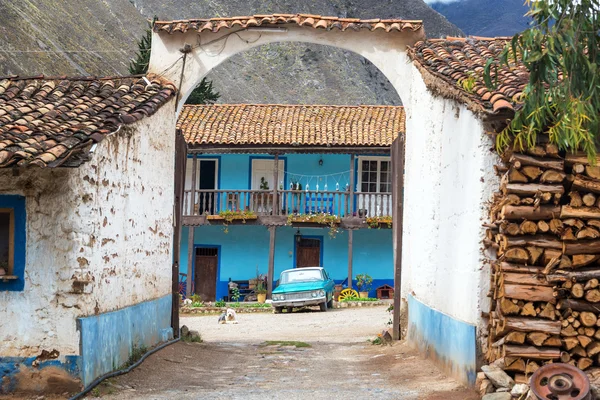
[[197, 304], [261, 283], [376, 222], [264, 185], [220, 303], [235, 294], [363, 282], [286, 343], [353, 299], [203, 93], [562, 97], [139, 64], [137, 352], [322, 218], [256, 305]]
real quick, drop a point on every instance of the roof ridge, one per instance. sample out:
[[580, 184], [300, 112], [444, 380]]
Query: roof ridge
[[294, 105]]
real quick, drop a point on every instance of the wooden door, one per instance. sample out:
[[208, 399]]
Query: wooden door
[[308, 253], [205, 277]]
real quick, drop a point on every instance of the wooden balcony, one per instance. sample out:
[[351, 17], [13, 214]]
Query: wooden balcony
[[268, 205]]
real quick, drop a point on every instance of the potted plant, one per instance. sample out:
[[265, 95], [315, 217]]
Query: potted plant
[[261, 287], [261, 291], [363, 282]]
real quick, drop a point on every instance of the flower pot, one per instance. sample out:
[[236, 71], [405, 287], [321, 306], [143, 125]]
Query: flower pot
[[336, 291], [261, 297], [363, 295]]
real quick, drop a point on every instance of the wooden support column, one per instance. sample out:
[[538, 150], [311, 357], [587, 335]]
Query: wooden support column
[[194, 168], [271, 271], [275, 186], [352, 183], [397, 223], [180, 167], [190, 275], [350, 251]]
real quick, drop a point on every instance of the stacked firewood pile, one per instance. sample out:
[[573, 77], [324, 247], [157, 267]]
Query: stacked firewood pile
[[545, 231]]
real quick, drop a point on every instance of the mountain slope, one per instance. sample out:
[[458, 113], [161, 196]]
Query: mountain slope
[[486, 18], [303, 73], [91, 37], [68, 37]]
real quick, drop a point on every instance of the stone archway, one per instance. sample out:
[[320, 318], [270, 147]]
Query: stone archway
[[185, 51], [210, 42]]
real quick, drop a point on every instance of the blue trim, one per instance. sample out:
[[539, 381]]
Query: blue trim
[[17, 203], [449, 342], [284, 159], [309, 237], [107, 340], [11, 368], [218, 158], [219, 256]]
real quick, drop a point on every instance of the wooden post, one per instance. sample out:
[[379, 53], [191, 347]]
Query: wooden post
[[350, 251], [352, 183], [190, 275], [275, 186], [194, 168], [271, 271], [180, 166], [398, 203]]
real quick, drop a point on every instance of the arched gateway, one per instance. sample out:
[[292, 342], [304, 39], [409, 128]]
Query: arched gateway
[[209, 42], [449, 171]]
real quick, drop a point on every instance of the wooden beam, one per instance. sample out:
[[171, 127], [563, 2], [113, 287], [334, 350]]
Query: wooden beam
[[190, 275], [194, 168], [350, 205], [350, 253], [180, 167], [271, 271], [275, 205], [397, 224]]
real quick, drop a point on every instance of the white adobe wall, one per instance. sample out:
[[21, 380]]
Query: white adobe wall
[[448, 184], [108, 221]]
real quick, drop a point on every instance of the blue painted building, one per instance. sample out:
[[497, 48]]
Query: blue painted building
[[271, 187]]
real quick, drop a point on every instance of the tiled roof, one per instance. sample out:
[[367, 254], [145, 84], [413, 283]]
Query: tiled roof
[[274, 20], [291, 125], [51, 122], [459, 64]]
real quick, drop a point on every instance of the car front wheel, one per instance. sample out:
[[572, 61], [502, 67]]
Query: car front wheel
[[323, 306], [278, 310]]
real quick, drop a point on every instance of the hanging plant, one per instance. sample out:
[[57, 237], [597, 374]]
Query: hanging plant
[[324, 219]]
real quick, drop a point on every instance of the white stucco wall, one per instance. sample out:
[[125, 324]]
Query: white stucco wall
[[448, 184], [108, 221]]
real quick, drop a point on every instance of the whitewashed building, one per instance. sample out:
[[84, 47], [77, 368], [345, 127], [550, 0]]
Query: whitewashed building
[[86, 226]]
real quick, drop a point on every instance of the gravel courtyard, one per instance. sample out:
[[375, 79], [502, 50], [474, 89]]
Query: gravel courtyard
[[234, 362]]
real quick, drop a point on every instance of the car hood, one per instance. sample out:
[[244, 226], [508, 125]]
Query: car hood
[[299, 287]]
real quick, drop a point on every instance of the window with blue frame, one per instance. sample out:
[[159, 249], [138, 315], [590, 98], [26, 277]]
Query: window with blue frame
[[12, 242]]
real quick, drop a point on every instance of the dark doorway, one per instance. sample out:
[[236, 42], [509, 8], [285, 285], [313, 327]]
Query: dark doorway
[[205, 275], [208, 180], [308, 253]]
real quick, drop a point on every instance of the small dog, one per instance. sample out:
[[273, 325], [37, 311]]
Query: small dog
[[228, 317]]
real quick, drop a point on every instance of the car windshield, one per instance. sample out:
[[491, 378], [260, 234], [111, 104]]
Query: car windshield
[[301, 275]]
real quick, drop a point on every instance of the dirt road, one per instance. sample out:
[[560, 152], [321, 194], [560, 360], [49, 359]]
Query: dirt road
[[235, 363]]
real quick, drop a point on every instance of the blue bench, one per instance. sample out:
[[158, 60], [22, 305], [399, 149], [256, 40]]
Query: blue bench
[[317, 204]]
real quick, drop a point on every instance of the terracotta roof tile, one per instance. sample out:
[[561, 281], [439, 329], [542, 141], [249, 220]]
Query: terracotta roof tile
[[51, 122], [295, 125], [454, 60], [312, 21]]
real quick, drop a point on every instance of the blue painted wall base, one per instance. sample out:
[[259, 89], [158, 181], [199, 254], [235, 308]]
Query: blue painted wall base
[[12, 368], [108, 339], [449, 342]]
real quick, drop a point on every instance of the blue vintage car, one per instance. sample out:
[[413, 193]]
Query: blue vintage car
[[299, 287]]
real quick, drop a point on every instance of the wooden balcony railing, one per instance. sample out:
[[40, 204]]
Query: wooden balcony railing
[[285, 202]]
